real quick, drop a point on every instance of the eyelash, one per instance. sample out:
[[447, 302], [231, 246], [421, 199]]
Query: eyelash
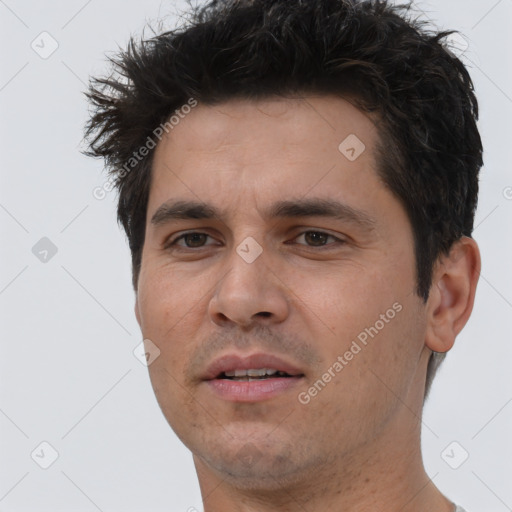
[[170, 245]]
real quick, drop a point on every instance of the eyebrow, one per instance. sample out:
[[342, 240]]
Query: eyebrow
[[315, 207]]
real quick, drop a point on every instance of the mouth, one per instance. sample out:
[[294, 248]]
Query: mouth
[[251, 379], [254, 374]]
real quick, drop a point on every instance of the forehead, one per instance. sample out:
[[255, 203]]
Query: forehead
[[245, 147], [297, 120]]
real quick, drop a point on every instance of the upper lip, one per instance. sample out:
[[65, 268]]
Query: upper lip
[[231, 362]]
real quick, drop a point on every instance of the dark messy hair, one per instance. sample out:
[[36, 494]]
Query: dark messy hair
[[429, 153]]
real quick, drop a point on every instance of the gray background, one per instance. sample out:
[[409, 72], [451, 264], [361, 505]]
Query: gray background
[[68, 375]]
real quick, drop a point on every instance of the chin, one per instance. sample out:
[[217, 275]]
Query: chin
[[259, 467]]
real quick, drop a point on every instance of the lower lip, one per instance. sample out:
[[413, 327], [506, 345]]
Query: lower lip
[[253, 391]]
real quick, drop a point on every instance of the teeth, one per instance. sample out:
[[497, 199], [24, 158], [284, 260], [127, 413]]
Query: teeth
[[260, 372]]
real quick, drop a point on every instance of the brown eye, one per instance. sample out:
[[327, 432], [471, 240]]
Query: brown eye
[[316, 238], [194, 239]]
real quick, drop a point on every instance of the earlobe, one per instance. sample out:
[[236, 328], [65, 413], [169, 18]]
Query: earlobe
[[452, 294]]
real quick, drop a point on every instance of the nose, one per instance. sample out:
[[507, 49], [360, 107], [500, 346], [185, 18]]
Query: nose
[[249, 293]]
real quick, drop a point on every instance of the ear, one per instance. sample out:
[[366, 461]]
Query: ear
[[452, 294]]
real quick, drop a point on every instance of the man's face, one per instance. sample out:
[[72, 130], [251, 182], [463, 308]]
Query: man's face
[[320, 283]]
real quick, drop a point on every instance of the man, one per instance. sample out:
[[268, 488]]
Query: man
[[298, 182]]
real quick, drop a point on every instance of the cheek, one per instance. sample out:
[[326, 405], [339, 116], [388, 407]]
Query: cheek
[[345, 302], [368, 319], [168, 311], [176, 403], [165, 298], [373, 378], [168, 308]]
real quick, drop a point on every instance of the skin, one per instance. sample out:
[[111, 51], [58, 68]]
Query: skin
[[356, 445]]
